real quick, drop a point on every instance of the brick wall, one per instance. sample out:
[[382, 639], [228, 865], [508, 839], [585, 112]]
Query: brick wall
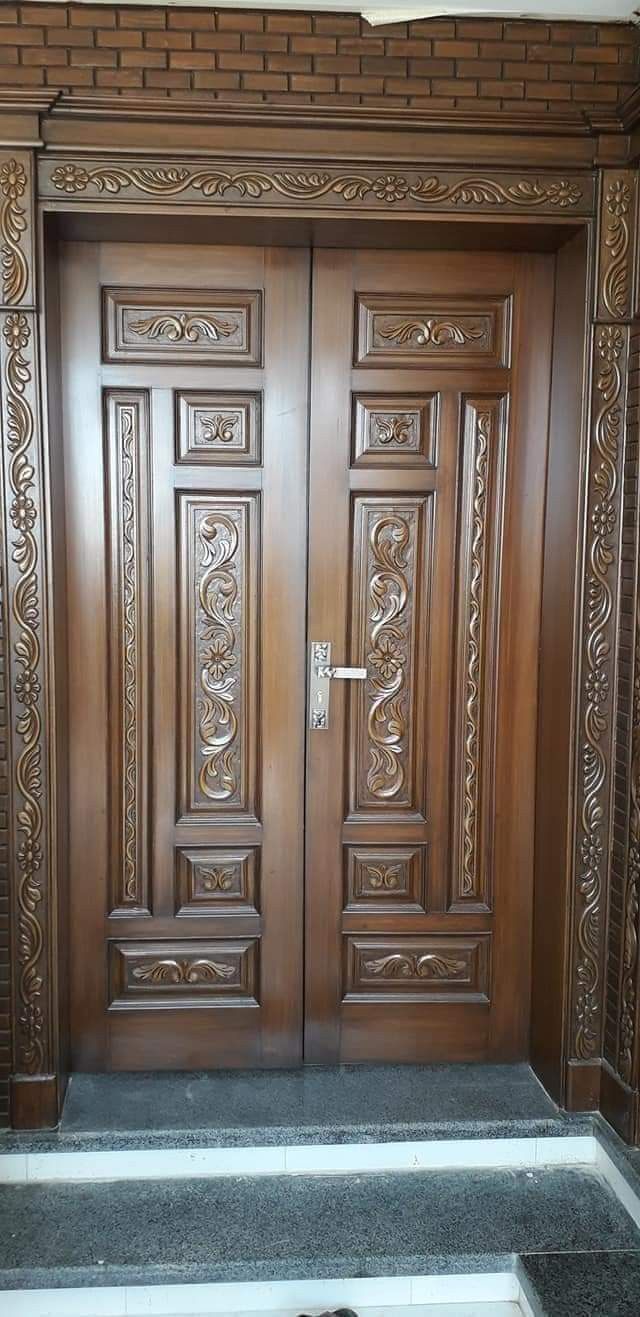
[[327, 59]]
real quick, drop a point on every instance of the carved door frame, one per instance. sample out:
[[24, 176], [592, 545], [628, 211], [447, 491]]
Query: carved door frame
[[312, 163]]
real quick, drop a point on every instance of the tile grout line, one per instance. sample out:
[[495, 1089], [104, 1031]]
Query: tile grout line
[[304, 1159]]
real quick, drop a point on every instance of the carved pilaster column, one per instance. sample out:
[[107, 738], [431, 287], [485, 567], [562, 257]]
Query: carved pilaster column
[[603, 595], [25, 601]]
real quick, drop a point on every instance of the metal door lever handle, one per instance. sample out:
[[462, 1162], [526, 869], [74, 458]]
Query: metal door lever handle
[[321, 673], [343, 674]]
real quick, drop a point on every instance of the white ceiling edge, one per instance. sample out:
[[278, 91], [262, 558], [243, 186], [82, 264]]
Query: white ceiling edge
[[394, 11]]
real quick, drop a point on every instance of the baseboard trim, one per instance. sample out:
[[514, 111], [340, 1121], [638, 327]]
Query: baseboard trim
[[34, 1101], [618, 1104], [583, 1085]]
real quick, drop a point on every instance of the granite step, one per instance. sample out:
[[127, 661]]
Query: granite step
[[313, 1105], [242, 1229]]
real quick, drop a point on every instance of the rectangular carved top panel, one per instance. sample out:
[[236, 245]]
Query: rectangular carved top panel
[[182, 325], [402, 329]]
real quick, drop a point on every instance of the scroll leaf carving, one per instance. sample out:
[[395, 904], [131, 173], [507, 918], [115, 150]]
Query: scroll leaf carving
[[616, 276], [438, 333], [312, 184], [387, 727], [610, 351], [216, 880], [177, 972], [183, 327], [25, 608], [473, 655], [218, 429], [427, 966], [13, 223], [391, 430], [218, 598], [383, 876], [628, 991]]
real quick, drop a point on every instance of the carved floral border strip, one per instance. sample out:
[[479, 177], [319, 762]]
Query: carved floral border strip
[[25, 658], [618, 221], [410, 189], [611, 346]]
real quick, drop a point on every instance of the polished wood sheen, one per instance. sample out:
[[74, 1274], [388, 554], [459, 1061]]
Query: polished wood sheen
[[185, 417], [430, 378]]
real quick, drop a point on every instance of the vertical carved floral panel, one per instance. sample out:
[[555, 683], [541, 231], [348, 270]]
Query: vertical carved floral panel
[[25, 570], [600, 601]]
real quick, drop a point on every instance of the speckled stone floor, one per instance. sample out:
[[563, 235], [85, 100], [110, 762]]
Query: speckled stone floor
[[272, 1228]]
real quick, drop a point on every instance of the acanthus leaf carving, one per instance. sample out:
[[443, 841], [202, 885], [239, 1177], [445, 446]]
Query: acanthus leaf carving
[[178, 972], [183, 327], [616, 276], [218, 593], [389, 539], [437, 333], [428, 965]]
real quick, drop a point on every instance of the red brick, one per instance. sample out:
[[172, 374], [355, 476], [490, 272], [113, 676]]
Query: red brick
[[308, 82], [366, 86], [503, 50], [27, 77], [530, 72], [264, 41], [62, 36], [523, 31], [289, 23], [49, 15], [598, 55], [410, 86], [235, 21], [265, 81], [20, 36], [43, 55], [168, 40], [599, 92], [549, 91], [432, 68], [454, 87], [217, 40], [84, 16], [289, 63], [231, 59], [617, 34], [336, 64], [119, 39], [9, 14], [143, 59], [455, 49], [502, 89], [201, 20], [69, 78], [361, 46], [478, 68], [166, 78], [432, 28], [573, 33], [314, 46], [415, 47], [136, 17], [191, 59], [389, 67], [483, 29], [336, 25], [8, 54], [129, 78], [546, 52], [572, 73], [217, 80]]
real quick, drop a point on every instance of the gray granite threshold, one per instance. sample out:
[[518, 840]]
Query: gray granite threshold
[[345, 1104], [283, 1228]]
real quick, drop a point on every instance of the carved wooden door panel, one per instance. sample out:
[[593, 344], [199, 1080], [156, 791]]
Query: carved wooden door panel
[[428, 430], [185, 403]]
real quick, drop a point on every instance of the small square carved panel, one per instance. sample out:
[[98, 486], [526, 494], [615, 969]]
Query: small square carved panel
[[404, 329], [386, 878], [394, 430], [176, 326], [219, 429], [215, 882], [437, 967], [156, 975]]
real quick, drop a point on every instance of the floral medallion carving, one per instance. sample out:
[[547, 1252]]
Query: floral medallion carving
[[617, 211]]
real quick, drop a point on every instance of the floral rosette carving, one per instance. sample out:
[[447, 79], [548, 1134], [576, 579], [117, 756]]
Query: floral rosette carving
[[13, 223]]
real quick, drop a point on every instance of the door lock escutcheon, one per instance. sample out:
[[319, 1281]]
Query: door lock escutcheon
[[321, 673]]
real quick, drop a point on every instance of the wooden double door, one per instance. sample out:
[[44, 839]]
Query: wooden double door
[[277, 464]]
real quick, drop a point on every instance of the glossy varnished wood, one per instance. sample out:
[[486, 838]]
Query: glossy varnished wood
[[152, 797], [450, 981]]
